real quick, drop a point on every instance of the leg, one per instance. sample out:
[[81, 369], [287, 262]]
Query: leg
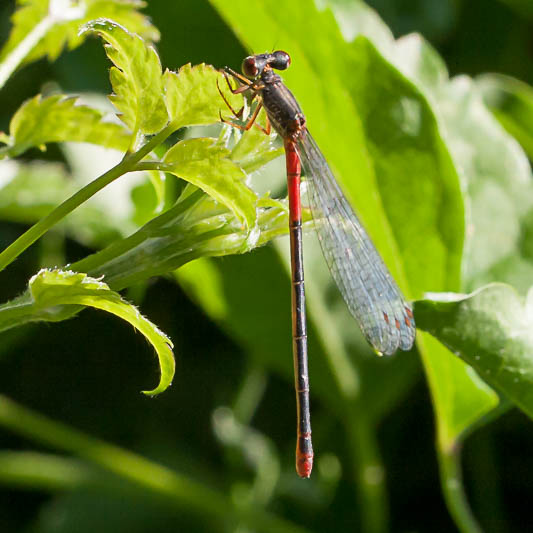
[[250, 121], [249, 86], [238, 90], [237, 76]]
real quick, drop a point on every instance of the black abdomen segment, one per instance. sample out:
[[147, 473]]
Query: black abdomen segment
[[304, 447]]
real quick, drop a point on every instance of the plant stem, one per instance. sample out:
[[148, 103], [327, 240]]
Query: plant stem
[[162, 481], [153, 165], [453, 490], [37, 230]]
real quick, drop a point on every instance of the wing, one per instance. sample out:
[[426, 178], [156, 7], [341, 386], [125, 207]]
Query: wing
[[370, 292]]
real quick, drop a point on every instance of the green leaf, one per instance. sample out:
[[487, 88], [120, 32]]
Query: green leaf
[[54, 294], [379, 134], [136, 77], [493, 168], [497, 181], [365, 109], [461, 399], [499, 185], [58, 118], [357, 18], [205, 164], [192, 96], [491, 329], [65, 21], [511, 101], [413, 170]]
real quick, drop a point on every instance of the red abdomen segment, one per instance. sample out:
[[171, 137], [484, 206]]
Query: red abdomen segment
[[304, 446]]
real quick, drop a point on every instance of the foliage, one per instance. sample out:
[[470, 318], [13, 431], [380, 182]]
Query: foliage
[[436, 166]]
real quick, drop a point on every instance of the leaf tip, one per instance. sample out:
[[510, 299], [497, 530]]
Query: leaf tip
[[162, 387]]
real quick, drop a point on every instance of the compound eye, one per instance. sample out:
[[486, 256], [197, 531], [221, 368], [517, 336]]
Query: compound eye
[[249, 67], [280, 60], [253, 66]]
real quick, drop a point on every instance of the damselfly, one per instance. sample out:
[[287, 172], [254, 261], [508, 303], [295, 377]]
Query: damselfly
[[372, 295]]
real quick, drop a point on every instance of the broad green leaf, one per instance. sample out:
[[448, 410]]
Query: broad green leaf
[[136, 77], [494, 170], [413, 169], [192, 96], [53, 295], [492, 330], [65, 17], [511, 101], [59, 119], [205, 164], [499, 184], [496, 178], [421, 63], [356, 18], [379, 135]]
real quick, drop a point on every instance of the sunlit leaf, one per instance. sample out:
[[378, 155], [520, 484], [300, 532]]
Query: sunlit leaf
[[206, 165], [59, 118], [499, 185], [495, 171], [192, 96], [136, 77], [492, 330], [65, 20], [54, 294], [498, 190]]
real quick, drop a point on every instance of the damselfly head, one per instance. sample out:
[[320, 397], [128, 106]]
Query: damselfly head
[[253, 66]]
